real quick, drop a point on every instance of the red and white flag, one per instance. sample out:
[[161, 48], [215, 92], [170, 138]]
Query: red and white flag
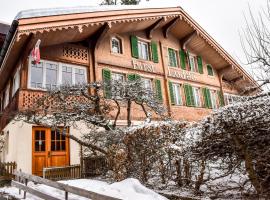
[[35, 53]]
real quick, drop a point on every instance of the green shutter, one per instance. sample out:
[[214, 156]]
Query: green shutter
[[192, 100], [187, 95], [210, 70], [182, 59], [221, 99], [106, 73], [134, 46], [205, 97], [154, 52], [209, 98], [158, 89], [133, 77], [171, 93], [200, 65]]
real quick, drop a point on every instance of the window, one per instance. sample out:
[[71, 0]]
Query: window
[[177, 94], [230, 98], [6, 97], [37, 75], [143, 50], [192, 63], [147, 84], [80, 76], [172, 54], [210, 70], [66, 75], [49, 75], [119, 78], [16, 82], [213, 97], [116, 45], [58, 141], [197, 96]]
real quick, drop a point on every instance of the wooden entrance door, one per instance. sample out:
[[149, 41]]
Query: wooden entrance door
[[50, 149]]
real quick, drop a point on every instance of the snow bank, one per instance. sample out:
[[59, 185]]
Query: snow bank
[[129, 189]]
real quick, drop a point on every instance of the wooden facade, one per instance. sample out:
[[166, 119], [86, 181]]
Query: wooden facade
[[164, 46]]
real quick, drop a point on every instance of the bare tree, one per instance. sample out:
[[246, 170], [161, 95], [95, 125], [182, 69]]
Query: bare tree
[[256, 44], [94, 105]]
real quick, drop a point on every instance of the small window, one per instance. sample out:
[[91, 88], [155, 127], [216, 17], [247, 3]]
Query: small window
[[177, 94], [80, 76], [172, 54], [51, 76], [213, 96], [119, 78], [143, 49], [66, 75], [6, 97], [147, 83], [192, 63], [197, 96], [16, 82], [36, 75], [116, 45], [210, 70]]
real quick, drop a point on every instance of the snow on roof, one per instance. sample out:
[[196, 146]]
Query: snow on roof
[[43, 12]]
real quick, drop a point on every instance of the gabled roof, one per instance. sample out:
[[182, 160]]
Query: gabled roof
[[45, 12], [60, 25]]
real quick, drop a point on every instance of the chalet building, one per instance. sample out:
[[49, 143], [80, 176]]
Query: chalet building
[[191, 73]]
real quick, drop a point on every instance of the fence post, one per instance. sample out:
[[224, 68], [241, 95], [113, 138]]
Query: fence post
[[81, 161], [66, 195], [24, 193]]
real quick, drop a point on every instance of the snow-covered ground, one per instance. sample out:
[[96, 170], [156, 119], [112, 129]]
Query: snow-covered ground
[[129, 189]]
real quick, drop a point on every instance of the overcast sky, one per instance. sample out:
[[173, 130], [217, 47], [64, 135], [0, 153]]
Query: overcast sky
[[222, 19]]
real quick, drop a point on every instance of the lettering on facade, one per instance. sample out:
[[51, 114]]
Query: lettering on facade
[[182, 74], [142, 66]]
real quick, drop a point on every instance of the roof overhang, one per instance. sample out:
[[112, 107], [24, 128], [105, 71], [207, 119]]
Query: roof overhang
[[66, 27]]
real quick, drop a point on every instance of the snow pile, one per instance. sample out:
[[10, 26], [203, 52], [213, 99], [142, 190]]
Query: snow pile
[[128, 189]]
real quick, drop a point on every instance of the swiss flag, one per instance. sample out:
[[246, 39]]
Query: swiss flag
[[35, 53]]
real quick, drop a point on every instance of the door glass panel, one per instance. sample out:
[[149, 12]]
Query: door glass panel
[[58, 142], [40, 144]]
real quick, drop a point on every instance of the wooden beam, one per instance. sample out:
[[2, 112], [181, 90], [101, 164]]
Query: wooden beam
[[168, 26], [225, 70], [100, 34], [185, 40], [237, 79], [150, 29]]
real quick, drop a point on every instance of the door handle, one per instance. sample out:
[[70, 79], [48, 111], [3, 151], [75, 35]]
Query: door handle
[[49, 154]]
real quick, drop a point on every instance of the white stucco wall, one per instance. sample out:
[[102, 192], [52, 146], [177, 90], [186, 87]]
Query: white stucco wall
[[18, 146]]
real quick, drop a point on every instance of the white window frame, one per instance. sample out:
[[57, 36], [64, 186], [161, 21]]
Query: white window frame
[[193, 67], [120, 93], [59, 73], [140, 50], [117, 75], [6, 96], [150, 83], [120, 46], [177, 93], [213, 96], [16, 82], [197, 96]]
